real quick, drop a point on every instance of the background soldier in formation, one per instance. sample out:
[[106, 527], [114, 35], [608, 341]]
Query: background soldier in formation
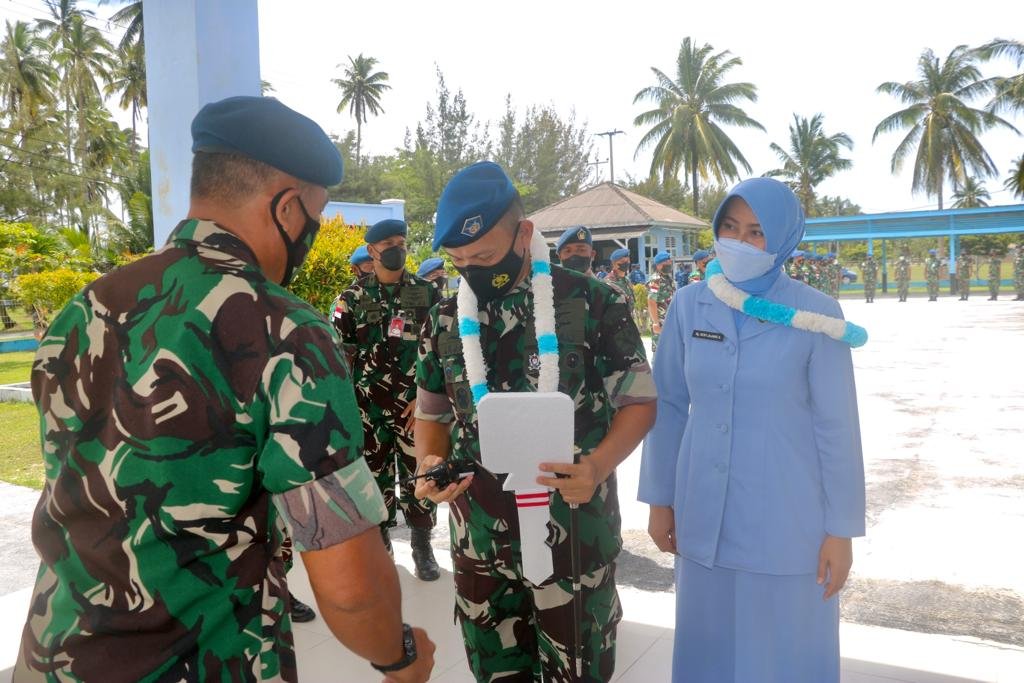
[[701, 257], [660, 291], [360, 262], [575, 250], [1018, 272], [963, 275], [618, 277], [514, 630], [994, 266], [903, 275], [379, 319], [869, 271], [432, 270], [932, 271]]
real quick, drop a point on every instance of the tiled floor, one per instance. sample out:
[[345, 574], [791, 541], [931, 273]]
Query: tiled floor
[[872, 655]]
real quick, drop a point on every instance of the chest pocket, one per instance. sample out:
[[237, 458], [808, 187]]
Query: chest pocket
[[414, 301], [373, 311], [575, 354]]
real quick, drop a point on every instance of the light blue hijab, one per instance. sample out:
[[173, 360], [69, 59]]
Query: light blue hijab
[[781, 217]]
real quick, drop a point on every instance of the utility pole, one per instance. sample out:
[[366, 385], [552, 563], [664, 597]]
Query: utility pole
[[611, 150], [597, 171]]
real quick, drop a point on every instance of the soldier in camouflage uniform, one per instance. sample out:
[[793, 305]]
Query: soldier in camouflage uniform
[[963, 275], [903, 276], [869, 271], [1018, 272], [361, 263], [432, 270], [618, 278], [379, 319], [660, 291], [994, 275], [932, 271], [191, 409], [515, 630], [701, 257]]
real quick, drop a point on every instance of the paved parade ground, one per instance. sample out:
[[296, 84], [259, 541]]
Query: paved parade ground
[[937, 590]]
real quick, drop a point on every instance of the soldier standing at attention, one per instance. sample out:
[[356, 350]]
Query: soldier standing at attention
[[660, 291], [903, 276], [192, 407], [575, 250], [432, 270], [869, 271], [1018, 272], [379, 320], [515, 630], [994, 275], [618, 277], [932, 270], [963, 275], [361, 262]]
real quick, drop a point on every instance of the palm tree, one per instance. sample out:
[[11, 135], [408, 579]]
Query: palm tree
[[360, 92], [970, 195], [685, 128], [944, 128], [1015, 181], [1009, 92], [129, 18], [813, 156], [26, 76], [129, 78]]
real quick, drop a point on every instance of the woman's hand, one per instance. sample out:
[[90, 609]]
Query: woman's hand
[[661, 525], [834, 562], [428, 489]]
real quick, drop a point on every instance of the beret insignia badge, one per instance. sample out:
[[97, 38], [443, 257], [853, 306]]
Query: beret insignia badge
[[581, 236], [471, 226]]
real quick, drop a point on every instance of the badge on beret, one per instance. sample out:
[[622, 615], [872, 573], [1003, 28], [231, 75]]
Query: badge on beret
[[582, 235], [472, 226]]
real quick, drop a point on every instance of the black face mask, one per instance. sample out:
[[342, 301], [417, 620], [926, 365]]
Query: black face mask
[[393, 258], [621, 267], [440, 283], [492, 282], [299, 249], [580, 264]]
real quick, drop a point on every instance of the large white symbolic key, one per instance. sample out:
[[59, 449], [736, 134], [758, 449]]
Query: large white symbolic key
[[519, 431]]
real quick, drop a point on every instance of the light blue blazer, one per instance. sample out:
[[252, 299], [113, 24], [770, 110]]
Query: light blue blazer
[[757, 442]]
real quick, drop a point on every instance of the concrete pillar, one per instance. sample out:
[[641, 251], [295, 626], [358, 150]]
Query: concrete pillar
[[197, 52]]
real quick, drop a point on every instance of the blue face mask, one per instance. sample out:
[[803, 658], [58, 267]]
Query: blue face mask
[[741, 261]]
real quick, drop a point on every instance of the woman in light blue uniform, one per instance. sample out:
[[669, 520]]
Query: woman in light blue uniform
[[754, 470]]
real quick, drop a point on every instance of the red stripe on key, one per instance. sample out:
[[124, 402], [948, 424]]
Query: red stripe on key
[[527, 496], [539, 504]]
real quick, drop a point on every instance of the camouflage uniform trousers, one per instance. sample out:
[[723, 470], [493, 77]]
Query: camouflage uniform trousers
[[903, 288], [994, 276], [933, 287], [388, 449], [518, 632]]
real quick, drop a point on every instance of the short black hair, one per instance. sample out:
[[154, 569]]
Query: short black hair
[[229, 178]]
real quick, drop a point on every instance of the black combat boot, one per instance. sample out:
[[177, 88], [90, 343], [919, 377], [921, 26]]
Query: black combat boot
[[423, 555], [300, 611]]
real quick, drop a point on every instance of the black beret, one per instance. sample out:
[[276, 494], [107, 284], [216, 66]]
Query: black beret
[[263, 129]]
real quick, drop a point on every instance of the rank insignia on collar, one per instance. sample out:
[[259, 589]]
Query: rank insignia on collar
[[471, 226], [534, 362]]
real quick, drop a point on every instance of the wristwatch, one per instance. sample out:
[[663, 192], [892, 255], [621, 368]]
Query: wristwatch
[[408, 656]]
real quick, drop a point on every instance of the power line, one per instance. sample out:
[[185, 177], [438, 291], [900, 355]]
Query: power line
[[41, 155]]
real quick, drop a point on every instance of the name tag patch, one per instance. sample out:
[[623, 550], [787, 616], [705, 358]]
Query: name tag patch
[[705, 334]]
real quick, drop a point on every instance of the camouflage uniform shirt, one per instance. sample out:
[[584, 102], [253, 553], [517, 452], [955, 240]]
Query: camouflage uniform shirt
[[190, 409], [603, 367], [625, 287], [383, 356]]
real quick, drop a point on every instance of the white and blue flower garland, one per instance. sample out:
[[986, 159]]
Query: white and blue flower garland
[[544, 323], [780, 314]]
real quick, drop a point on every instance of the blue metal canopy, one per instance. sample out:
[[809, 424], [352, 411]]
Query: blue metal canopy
[[946, 223]]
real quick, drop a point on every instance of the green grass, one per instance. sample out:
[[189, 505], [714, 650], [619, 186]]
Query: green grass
[[16, 366], [21, 462], [22, 320]]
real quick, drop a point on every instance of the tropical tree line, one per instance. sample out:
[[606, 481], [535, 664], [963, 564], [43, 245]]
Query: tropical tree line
[[944, 112]]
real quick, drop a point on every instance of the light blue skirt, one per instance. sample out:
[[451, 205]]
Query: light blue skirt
[[738, 627]]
